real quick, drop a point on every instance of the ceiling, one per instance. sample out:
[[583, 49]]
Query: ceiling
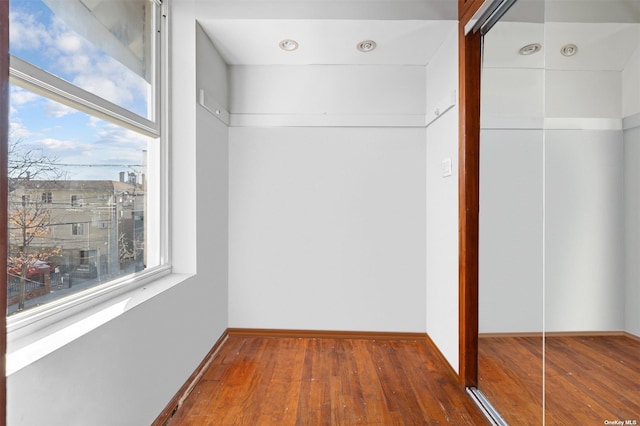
[[327, 42], [409, 32], [601, 46], [247, 32], [606, 32]]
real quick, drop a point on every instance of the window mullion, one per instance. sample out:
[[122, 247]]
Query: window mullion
[[39, 81]]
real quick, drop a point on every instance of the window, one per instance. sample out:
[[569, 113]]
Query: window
[[77, 229], [77, 201], [84, 114]]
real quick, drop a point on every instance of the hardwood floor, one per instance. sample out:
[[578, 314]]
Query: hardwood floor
[[311, 381], [588, 379], [510, 376]]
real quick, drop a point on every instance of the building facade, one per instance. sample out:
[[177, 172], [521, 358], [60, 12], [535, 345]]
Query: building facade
[[86, 229]]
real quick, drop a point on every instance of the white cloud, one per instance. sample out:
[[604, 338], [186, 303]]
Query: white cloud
[[18, 131], [69, 43], [19, 96], [57, 110], [75, 63], [119, 136], [25, 32], [57, 144], [64, 53], [72, 57], [112, 90]]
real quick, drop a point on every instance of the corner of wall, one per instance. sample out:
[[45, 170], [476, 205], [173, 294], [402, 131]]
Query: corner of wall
[[442, 203]]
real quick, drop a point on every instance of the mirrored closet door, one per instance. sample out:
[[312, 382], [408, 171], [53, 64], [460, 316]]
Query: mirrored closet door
[[511, 321], [559, 263], [591, 211]]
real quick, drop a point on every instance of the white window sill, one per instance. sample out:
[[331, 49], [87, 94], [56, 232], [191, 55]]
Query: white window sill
[[32, 337]]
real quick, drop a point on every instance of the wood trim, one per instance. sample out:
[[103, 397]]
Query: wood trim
[[325, 334], [585, 333], [468, 7], [440, 355], [562, 334], [631, 336], [582, 333], [176, 402], [469, 57], [4, 138], [520, 334]]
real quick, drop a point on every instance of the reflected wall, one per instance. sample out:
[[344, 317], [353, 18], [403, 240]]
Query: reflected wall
[[583, 112], [560, 181]]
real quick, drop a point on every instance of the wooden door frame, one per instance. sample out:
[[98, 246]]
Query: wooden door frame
[[4, 137], [469, 68]]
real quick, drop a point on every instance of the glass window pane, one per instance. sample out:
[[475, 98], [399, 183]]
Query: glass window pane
[[77, 201], [102, 46]]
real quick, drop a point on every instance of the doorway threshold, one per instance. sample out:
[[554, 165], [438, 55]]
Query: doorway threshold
[[487, 408]]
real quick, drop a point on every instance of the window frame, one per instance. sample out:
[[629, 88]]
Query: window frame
[[4, 143], [77, 229], [43, 321], [77, 200]]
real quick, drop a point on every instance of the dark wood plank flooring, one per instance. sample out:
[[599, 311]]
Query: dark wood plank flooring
[[310, 381], [588, 379], [510, 376]]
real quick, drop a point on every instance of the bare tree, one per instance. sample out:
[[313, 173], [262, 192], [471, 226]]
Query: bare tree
[[29, 164], [125, 253], [29, 215]]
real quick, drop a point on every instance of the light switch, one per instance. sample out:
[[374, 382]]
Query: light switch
[[446, 167]]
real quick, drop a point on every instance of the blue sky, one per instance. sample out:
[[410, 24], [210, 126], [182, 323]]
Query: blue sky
[[39, 37]]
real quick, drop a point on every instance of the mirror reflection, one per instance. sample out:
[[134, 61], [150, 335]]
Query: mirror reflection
[[560, 221], [511, 215]]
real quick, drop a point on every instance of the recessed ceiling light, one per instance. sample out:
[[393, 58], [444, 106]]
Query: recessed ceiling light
[[366, 46], [530, 49], [288, 45], [569, 50]]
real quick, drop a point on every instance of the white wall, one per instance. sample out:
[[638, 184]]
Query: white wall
[[584, 222], [511, 231], [632, 230], [582, 202], [327, 95], [442, 204], [213, 73], [327, 197], [512, 98], [127, 370], [631, 113], [327, 228], [584, 94], [511, 186], [327, 89], [631, 84], [511, 199]]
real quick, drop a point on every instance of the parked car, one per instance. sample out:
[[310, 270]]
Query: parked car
[[33, 271]]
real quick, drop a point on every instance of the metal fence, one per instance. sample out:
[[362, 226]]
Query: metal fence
[[13, 285]]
